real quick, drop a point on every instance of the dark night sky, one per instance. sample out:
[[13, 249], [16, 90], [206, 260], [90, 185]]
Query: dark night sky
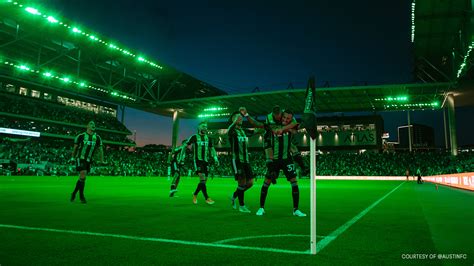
[[237, 46]]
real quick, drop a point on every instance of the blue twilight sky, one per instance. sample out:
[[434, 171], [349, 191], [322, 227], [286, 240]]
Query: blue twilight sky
[[237, 46]]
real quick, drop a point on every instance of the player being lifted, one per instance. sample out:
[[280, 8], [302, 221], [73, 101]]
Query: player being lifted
[[274, 119], [177, 160], [85, 144], [203, 149], [278, 152], [238, 138]]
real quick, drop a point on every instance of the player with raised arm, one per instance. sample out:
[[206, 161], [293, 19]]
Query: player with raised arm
[[203, 150], [282, 160], [238, 138]]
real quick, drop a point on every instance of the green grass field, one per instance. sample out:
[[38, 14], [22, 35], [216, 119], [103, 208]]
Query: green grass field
[[131, 220]]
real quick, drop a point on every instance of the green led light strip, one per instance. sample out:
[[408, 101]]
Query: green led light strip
[[211, 109], [419, 105], [48, 74], [464, 63], [77, 31], [213, 115], [413, 21], [390, 99]]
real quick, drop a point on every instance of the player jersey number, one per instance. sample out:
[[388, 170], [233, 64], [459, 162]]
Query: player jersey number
[[290, 167]]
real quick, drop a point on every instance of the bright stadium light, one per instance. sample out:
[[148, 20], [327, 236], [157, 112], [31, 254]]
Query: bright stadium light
[[33, 11], [47, 74], [52, 19], [23, 67]]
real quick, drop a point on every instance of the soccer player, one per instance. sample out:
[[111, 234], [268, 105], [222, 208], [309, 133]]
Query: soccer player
[[282, 160], [85, 144], [239, 142], [275, 118], [203, 149], [177, 160]]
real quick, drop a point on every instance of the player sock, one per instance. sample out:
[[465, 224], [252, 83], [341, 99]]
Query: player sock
[[204, 189], [263, 194], [82, 185], [240, 194], [295, 194], [198, 189], [76, 189]]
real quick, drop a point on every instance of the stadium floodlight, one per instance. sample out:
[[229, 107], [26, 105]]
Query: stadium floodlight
[[33, 11], [76, 30], [52, 19], [23, 67], [66, 79], [47, 74], [141, 59], [82, 84]]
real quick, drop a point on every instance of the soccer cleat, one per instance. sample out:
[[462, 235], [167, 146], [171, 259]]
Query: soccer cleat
[[172, 192], [260, 212], [244, 209], [299, 213], [83, 200], [210, 201], [195, 200], [73, 197]]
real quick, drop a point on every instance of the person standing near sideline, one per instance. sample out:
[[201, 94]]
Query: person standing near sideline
[[203, 150], [85, 144]]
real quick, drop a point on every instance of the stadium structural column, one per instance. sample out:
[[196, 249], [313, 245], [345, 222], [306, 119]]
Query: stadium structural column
[[312, 168], [452, 124], [409, 131], [446, 145], [175, 134]]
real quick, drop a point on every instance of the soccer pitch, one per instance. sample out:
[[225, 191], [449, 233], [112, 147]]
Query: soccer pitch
[[131, 220]]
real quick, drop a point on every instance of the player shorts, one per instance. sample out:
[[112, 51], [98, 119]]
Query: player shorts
[[241, 170], [83, 165], [286, 165], [201, 167]]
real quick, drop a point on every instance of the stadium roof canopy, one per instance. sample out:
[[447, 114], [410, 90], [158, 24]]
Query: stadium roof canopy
[[394, 97], [443, 38], [40, 48]]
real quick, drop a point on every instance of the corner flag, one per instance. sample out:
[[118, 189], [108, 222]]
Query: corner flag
[[309, 114]]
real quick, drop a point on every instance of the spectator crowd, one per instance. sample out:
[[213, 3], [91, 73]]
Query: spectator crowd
[[141, 162]]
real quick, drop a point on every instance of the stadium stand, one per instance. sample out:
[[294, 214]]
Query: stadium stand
[[51, 158]]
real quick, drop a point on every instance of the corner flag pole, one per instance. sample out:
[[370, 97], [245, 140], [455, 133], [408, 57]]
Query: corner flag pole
[[309, 123]]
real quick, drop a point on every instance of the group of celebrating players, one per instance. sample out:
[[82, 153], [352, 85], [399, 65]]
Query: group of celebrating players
[[280, 153]]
